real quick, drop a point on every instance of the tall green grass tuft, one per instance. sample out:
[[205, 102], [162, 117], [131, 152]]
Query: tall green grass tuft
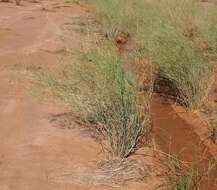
[[182, 66], [98, 89], [178, 35]]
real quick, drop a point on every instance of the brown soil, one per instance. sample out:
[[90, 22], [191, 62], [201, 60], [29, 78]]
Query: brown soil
[[35, 153], [185, 135]]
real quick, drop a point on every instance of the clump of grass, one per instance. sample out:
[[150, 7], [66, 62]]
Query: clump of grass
[[174, 44], [178, 35], [214, 131], [183, 67], [183, 177], [98, 89]]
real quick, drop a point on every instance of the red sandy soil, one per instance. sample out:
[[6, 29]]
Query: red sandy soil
[[35, 155], [185, 134]]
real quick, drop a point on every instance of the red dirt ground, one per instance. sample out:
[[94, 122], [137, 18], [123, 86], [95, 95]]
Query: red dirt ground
[[184, 134], [35, 155]]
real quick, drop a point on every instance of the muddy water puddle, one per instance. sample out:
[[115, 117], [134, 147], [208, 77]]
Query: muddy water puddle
[[174, 135]]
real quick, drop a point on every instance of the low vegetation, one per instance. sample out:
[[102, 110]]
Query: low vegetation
[[99, 90], [178, 35], [184, 177]]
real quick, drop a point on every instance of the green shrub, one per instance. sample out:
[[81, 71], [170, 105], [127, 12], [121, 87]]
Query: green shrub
[[98, 89]]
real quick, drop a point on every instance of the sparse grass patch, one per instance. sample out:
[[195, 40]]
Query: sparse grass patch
[[214, 130], [111, 173], [98, 89], [183, 177]]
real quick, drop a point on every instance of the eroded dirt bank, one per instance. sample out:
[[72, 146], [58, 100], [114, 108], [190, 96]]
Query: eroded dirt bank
[[183, 134]]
